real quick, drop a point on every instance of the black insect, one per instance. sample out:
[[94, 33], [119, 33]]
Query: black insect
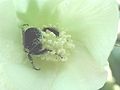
[[32, 42]]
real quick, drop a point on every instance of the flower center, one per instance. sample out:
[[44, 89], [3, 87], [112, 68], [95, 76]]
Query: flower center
[[61, 46]]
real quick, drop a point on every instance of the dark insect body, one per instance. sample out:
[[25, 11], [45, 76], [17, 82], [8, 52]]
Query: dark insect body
[[32, 42]]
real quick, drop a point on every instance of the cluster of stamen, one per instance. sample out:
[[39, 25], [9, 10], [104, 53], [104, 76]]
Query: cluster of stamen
[[60, 46]]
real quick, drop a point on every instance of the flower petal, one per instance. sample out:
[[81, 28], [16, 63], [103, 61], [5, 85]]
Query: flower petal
[[85, 20], [10, 35], [7, 19], [81, 73], [38, 14], [92, 23]]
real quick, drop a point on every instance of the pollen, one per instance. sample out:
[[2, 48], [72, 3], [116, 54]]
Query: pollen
[[61, 47]]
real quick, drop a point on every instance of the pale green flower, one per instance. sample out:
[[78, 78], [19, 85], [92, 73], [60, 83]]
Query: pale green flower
[[93, 27]]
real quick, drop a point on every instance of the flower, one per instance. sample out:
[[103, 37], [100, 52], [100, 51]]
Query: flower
[[92, 25]]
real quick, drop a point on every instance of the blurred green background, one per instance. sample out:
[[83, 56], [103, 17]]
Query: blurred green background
[[114, 63]]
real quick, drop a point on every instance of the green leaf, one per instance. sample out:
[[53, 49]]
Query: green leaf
[[108, 86], [114, 61]]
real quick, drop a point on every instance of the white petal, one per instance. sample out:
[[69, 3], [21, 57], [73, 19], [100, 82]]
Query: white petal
[[10, 35], [89, 21], [81, 72], [92, 24]]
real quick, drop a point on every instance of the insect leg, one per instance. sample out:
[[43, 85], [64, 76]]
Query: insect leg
[[51, 29], [23, 35], [25, 25], [46, 50], [31, 61]]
